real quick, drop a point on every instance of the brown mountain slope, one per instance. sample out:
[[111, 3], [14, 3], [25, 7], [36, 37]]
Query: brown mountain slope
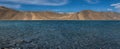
[[9, 14], [92, 15]]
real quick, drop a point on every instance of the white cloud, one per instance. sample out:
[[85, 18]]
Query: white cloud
[[92, 1], [109, 9], [117, 5], [38, 2]]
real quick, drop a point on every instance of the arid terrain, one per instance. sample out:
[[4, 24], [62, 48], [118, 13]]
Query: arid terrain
[[10, 14]]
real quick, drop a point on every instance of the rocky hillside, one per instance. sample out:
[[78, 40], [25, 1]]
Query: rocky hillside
[[9, 14]]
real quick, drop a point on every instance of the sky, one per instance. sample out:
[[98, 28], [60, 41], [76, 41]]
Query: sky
[[62, 5]]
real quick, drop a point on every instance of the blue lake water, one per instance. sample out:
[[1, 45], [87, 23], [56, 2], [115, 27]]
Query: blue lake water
[[60, 34]]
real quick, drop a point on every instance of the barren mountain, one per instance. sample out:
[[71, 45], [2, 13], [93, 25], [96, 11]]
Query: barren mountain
[[9, 14]]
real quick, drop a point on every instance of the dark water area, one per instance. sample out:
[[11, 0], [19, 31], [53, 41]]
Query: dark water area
[[60, 34]]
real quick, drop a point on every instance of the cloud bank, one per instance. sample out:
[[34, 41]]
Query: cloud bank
[[34, 2], [117, 5]]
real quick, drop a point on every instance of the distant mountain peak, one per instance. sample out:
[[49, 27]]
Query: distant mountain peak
[[2, 7], [87, 11]]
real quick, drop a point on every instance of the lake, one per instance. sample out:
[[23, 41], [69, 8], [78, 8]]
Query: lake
[[60, 34]]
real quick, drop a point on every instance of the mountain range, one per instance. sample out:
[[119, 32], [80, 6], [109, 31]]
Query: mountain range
[[10, 14]]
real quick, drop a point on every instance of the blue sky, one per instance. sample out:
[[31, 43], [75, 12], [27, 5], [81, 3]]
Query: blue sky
[[62, 5]]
